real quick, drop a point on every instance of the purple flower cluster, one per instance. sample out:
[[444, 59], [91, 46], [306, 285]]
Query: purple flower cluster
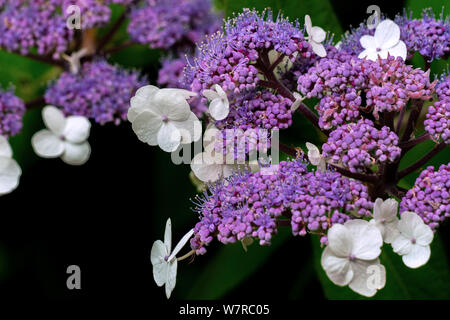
[[430, 196], [167, 23], [236, 144], [437, 123], [359, 146], [99, 91], [25, 25], [12, 110], [228, 58], [428, 36], [42, 24], [249, 204], [325, 198], [341, 81], [258, 109]]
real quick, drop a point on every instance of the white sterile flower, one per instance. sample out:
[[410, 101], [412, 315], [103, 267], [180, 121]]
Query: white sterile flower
[[65, 137], [209, 166], [164, 261], [74, 59], [413, 241], [316, 35], [351, 257], [297, 102], [315, 157], [385, 218], [386, 40], [10, 171], [219, 106], [163, 117]]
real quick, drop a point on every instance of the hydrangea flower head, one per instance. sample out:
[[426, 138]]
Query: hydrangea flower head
[[100, 91]]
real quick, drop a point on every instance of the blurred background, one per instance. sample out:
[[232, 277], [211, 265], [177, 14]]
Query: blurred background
[[105, 215]]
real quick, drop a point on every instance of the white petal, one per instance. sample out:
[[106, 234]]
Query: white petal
[[222, 94], [141, 101], [369, 276], [423, 235], [169, 137], [168, 236], [340, 240], [297, 102], [186, 94], [322, 166], [318, 34], [190, 129], [76, 154], [337, 268], [206, 170], [172, 105], [368, 42], [210, 94], [181, 244], [146, 126], [409, 222], [314, 155], [367, 239], [10, 173], [157, 256], [369, 54], [318, 49], [417, 256], [390, 231], [399, 50], [387, 34], [46, 144], [228, 170], [77, 129], [171, 277], [160, 272], [401, 245], [5, 148], [219, 109], [308, 25], [385, 210], [54, 119]]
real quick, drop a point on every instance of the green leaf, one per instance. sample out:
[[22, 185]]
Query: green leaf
[[29, 78], [231, 265], [417, 6], [427, 282]]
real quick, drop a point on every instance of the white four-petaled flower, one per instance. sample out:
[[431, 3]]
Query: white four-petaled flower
[[385, 218], [219, 106], [163, 117], [386, 40], [315, 157], [413, 241], [316, 35], [351, 255], [65, 137], [10, 171], [164, 260]]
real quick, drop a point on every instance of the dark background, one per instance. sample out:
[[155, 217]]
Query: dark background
[[105, 215]]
